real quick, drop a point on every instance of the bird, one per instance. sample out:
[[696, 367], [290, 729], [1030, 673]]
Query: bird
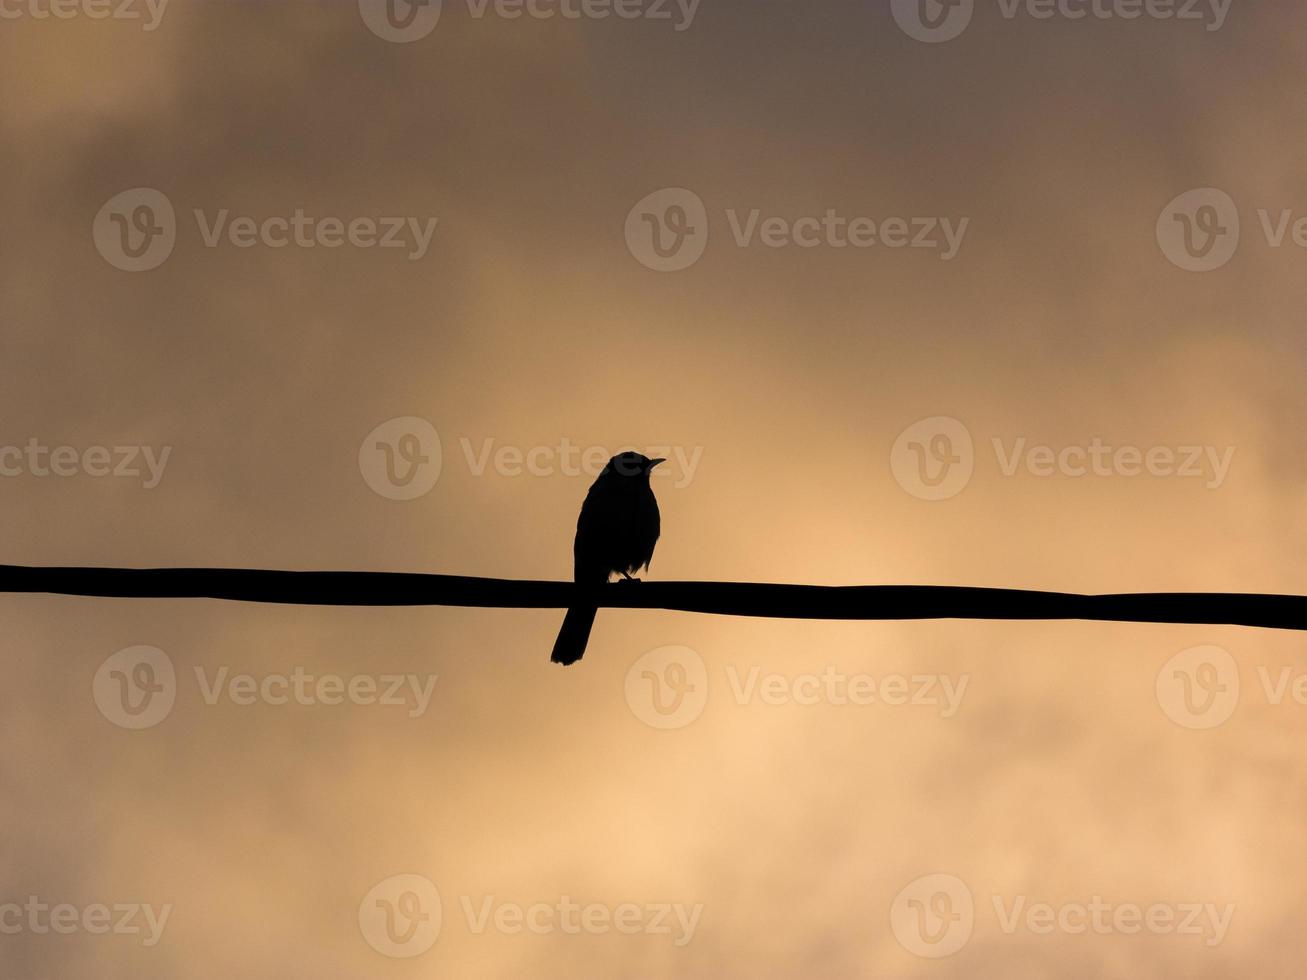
[[615, 534]]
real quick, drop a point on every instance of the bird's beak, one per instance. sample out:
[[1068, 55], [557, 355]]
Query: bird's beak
[[655, 462]]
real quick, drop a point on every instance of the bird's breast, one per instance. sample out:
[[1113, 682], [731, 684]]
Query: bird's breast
[[617, 531]]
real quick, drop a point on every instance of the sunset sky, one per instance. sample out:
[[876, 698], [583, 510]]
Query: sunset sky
[[1011, 301]]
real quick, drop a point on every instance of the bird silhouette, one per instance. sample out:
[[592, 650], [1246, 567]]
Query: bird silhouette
[[616, 533]]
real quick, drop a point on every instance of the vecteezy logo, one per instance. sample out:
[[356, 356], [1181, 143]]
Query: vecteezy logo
[[136, 230], [667, 688], [667, 231], [933, 459], [1199, 688], [933, 21], [400, 916], [400, 459], [933, 916], [400, 21], [1199, 230], [136, 687]]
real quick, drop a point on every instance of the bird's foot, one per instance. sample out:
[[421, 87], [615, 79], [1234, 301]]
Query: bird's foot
[[626, 578]]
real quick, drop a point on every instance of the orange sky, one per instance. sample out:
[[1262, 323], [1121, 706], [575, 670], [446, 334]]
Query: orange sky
[[1115, 422]]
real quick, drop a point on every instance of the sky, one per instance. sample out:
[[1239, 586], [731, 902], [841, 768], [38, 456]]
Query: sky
[[996, 293]]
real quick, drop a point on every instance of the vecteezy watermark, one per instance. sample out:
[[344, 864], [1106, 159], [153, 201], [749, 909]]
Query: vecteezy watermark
[[409, 691], [137, 688], [833, 686], [121, 462], [136, 231], [935, 458], [675, 920], [401, 917], [40, 918], [1206, 921], [1200, 688], [572, 459], [667, 688], [406, 21], [402, 459], [1200, 231], [150, 12], [935, 916], [401, 21], [936, 21], [668, 231]]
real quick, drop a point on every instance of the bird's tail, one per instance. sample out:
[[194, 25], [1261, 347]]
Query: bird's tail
[[574, 635]]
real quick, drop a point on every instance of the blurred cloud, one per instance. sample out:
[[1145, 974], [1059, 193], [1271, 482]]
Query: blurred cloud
[[528, 322]]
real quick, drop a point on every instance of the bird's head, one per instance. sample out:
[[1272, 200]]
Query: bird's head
[[631, 466]]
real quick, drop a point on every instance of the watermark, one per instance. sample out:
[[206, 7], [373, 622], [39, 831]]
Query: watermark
[[406, 21], [675, 920], [402, 459], [933, 21], [573, 459], [668, 231], [148, 12], [137, 230], [1206, 921], [401, 917], [1201, 230], [1286, 685], [668, 688], [401, 21], [39, 918], [36, 459], [942, 692], [935, 916], [935, 459], [1200, 688], [137, 688], [409, 691], [937, 21]]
